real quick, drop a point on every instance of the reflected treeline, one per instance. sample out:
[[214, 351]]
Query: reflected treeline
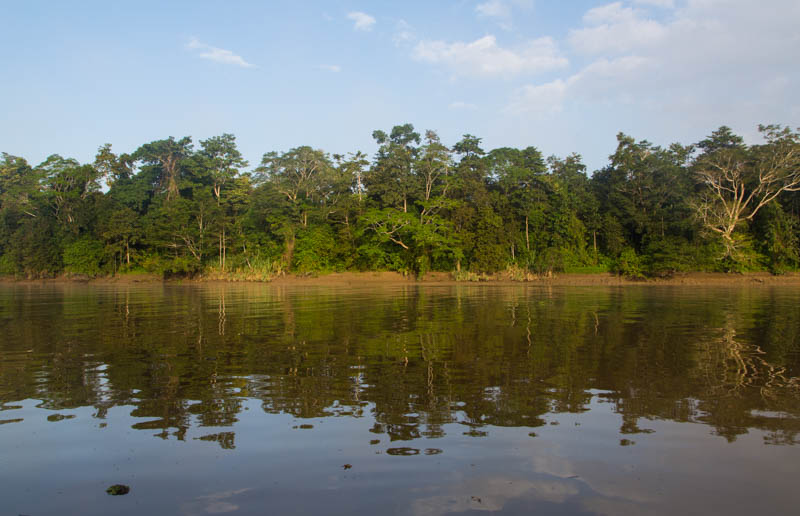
[[412, 359]]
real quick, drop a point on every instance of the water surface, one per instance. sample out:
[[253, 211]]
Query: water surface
[[423, 400]]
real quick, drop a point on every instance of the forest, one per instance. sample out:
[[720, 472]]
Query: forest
[[179, 210]]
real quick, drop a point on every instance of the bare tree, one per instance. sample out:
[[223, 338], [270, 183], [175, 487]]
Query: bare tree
[[740, 181]]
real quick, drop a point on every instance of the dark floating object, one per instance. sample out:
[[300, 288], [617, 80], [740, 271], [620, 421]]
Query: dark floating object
[[347, 466], [433, 451], [406, 452], [59, 417], [476, 433], [118, 490]]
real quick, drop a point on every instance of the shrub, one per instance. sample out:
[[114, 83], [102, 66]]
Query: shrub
[[315, 249], [549, 261], [629, 264], [667, 255], [83, 256], [8, 266]]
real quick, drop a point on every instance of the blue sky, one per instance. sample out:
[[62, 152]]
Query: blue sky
[[564, 76]]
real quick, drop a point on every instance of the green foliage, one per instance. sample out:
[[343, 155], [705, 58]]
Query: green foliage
[[665, 256], [84, 256], [549, 261], [741, 256], [7, 265], [488, 251], [602, 268], [469, 276], [629, 264], [418, 206], [315, 250], [36, 247], [179, 266], [778, 233], [517, 273]]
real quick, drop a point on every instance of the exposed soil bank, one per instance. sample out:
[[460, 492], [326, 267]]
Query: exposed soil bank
[[443, 278]]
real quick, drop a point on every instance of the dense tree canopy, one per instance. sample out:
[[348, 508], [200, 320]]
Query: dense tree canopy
[[418, 205]]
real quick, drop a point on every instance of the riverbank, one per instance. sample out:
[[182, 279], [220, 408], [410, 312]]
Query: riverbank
[[688, 279], [444, 278]]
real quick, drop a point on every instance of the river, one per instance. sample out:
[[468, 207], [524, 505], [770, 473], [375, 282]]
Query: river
[[399, 399]]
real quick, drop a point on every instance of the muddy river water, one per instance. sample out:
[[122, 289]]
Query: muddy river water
[[399, 399]]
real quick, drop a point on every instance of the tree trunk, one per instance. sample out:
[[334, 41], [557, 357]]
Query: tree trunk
[[527, 240]]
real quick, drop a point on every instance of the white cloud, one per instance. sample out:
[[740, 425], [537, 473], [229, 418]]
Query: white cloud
[[362, 21], [598, 82], [501, 10], [403, 34], [494, 9], [657, 3], [616, 29], [218, 55], [541, 99], [709, 62], [330, 68], [484, 57], [496, 492]]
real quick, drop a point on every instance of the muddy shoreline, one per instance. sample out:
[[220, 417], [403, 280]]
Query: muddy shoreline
[[444, 278]]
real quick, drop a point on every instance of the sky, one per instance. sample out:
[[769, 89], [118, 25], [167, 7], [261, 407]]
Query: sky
[[563, 76]]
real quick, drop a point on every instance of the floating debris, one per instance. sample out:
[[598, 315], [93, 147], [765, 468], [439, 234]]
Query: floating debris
[[118, 490], [406, 452], [59, 417]]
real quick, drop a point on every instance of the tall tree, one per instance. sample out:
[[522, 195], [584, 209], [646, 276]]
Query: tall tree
[[168, 155], [112, 167], [19, 184], [392, 178], [223, 162], [520, 174], [67, 185], [302, 178], [739, 181]]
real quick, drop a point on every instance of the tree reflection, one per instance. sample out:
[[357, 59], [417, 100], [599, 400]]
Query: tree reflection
[[414, 360]]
